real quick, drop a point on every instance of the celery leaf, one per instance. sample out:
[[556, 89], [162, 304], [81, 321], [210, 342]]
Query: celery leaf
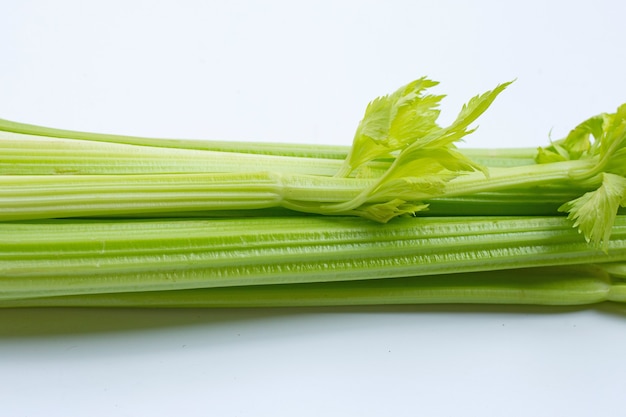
[[392, 122], [406, 122], [594, 213], [613, 146], [577, 144], [609, 139]]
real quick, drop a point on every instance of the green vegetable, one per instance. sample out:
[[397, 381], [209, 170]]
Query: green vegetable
[[92, 219], [65, 257], [403, 161], [405, 121], [565, 285]]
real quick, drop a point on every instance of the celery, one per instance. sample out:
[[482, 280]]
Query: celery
[[24, 131], [40, 155], [564, 285], [94, 219], [54, 258], [401, 162], [75, 141], [24, 197]]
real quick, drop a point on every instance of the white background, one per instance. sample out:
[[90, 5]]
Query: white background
[[303, 71]]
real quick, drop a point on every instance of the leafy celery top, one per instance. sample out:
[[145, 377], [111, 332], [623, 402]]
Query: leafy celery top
[[403, 126]]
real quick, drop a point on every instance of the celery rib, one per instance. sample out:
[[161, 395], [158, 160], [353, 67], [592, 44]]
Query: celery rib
[[29, 155], [495, 157], [73, 257], [34, 155], [35, 197], [569, 285]]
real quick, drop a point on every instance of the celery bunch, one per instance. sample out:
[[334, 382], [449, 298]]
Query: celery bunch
[[401, 216]]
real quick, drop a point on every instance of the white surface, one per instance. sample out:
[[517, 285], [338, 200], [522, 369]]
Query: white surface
[[295, 71]]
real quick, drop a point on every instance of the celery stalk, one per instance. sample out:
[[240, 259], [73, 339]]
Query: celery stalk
[[564, 285], [41, 155], [24, 197], [53, 258], [24, 154], [258, 148]]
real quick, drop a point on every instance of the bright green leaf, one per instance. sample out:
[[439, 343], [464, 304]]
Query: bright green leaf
[[594, 213], [614, 135], [392, 122]]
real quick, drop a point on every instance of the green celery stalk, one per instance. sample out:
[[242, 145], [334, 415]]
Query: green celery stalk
[[562, 285], [21, 133], [28, 155], [255, 147], [54, 258], [24, 197], [42, 155], [24, 154]]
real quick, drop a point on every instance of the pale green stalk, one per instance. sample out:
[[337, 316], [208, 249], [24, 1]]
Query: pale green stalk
[[515, 156], [41, 155], [25, 197], [253, 147], [498, 179], [562, 286], [24, 154], [54, 258]]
